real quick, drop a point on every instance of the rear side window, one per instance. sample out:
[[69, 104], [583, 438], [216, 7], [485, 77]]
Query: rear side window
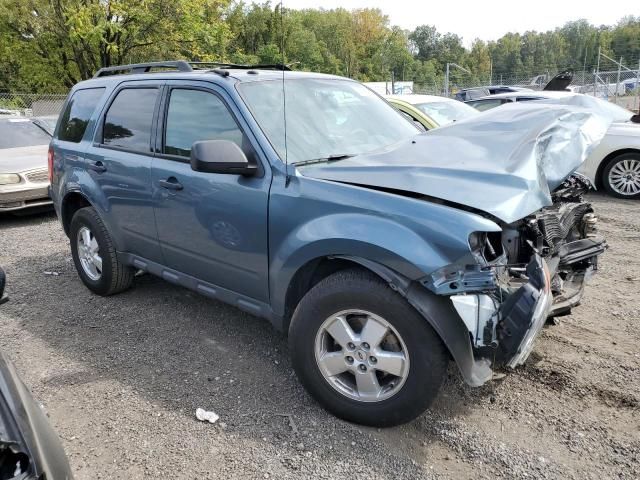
[[128, 121], [194, 115], [76, 115]]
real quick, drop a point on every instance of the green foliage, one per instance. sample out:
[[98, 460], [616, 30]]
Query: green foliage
[[49, 45]]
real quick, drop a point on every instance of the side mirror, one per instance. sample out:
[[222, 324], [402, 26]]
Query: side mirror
[[220, 156], [2, 283]]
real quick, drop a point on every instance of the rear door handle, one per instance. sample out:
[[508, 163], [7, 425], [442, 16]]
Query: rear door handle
[[171, 183], [97, 166]]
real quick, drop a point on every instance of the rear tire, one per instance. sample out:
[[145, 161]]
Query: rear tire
[[359, 297], [94, 255], [621, 176]]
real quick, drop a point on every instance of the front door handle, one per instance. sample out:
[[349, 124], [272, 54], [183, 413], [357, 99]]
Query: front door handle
[[171, 183], [97, 166]]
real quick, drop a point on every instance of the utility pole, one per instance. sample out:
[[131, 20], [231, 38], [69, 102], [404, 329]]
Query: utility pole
[[618, 80], [638, 87], [595, 75], [490, 71], [446, 82], [584, 65]]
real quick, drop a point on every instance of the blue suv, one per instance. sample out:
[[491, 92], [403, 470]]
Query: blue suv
[[308, 200]]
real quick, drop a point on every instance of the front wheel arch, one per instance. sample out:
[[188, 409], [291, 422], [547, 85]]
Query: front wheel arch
[[599, 177], [437, 310]]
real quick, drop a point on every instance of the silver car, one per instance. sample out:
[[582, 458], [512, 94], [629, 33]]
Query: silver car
[[24, 176]]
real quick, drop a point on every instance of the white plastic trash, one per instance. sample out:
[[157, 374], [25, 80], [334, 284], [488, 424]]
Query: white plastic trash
[[205, 416]]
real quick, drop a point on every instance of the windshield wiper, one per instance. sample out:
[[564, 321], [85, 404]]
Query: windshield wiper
[[330, 158], [41, 126]]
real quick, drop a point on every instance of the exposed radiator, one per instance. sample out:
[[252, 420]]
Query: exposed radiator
[[556, 222]]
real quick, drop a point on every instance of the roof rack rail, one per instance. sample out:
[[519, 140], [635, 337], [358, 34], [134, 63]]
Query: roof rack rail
[[269, 66], [182, 66], [178, 65]]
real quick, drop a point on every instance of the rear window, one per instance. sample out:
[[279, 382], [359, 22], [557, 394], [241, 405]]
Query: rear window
[[21, 132], [76, 115], [128, 121]]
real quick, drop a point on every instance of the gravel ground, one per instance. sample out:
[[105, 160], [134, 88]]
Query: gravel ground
[[121, 378]]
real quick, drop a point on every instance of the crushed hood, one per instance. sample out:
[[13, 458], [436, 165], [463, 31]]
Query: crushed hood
[[505, 161]]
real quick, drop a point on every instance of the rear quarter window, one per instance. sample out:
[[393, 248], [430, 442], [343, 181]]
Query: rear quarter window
[[77, 113]]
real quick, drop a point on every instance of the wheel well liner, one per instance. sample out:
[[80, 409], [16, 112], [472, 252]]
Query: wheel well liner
[[71, 203]]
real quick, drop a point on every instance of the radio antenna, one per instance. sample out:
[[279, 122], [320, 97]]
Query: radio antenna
[[284, 94]]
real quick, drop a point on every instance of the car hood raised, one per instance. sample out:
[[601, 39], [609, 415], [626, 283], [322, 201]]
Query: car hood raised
[[504, 162], [22, 159]]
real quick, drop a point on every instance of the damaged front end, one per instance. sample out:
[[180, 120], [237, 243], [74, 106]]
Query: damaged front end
[[534, 269]]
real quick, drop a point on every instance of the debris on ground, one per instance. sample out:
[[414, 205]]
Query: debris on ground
[[206, 416]]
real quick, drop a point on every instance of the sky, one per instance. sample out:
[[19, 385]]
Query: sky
[[487, 20]]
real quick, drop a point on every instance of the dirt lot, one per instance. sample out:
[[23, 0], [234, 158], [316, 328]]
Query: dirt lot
[[121, 378]]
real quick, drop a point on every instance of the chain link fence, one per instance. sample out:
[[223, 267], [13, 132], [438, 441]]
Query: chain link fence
[[30, 105], [620, 85]]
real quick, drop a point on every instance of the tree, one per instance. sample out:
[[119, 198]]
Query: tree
[[77, 37]]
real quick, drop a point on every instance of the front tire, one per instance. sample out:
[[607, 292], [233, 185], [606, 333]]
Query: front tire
[[363, 352], [621, 176], [94, 255]]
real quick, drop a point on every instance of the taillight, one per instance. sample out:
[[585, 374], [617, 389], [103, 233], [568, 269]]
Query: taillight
[[50, 163]]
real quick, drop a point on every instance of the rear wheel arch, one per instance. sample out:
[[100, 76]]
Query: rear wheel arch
[[71, 203]]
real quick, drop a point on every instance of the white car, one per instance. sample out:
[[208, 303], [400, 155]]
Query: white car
[[24, 176], [615, 163]]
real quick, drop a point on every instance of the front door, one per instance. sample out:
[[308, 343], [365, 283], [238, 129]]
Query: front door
[[210, 226]]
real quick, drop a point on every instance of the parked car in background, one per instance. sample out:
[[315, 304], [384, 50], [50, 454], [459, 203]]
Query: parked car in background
[[431, 111], [24, 177], [615, 164], [466, 94], [471, 93], [29, 448], [9, 112], [381, 250]]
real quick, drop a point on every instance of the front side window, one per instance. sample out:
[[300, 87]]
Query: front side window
[[324, 117], [129, 119], [76, 115], [195, 115]]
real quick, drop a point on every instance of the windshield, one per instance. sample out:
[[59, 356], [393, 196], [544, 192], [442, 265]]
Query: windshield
[[21, 132], [446, 112], [325, 118]]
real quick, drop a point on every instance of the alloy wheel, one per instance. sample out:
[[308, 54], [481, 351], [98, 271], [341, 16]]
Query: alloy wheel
[[89, 254], [361, 355], [624, 177]]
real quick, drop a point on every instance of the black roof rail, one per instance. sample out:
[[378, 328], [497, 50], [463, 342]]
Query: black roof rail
[[269, 66], [183, 66], [179, 65]]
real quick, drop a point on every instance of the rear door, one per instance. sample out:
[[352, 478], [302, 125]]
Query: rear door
[[119, 162], [211, 226]]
